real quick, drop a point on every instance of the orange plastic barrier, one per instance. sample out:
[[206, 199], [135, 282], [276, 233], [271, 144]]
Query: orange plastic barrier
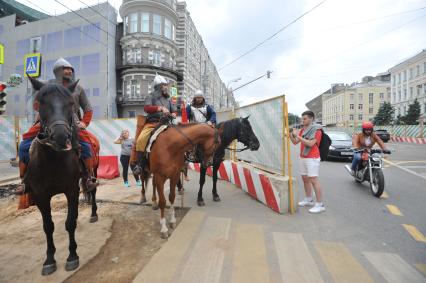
[[108, 167]]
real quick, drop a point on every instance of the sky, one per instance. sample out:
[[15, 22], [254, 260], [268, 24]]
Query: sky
[[340, 41]]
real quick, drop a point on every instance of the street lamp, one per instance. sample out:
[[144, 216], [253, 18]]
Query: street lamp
[[227, 89]]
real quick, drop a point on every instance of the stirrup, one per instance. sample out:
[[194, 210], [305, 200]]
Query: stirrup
[[91, 184]]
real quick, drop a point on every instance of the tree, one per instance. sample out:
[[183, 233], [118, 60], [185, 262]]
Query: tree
[[293, 119], [413, 114], [385, 114]]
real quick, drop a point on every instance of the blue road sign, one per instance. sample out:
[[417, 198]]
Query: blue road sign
[[32, 65]]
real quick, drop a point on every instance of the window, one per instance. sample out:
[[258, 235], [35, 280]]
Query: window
[[393, 80], [399, 95], [382, 96], [370, 110], [351, 106], [370, 98], [168, 28], [136, 56], [132, 114], [352, 96], [411, 92], [133, 88], [404, 76], [157, 24], [133, 23], [126, 24], [35, 45], [351, 117], [360, 117], [145, 22], [418, 70], [360, 96], [399, 78], [411, 73], [394, 97], [419, 88], [405, 94], [359, 106], [156, 58]]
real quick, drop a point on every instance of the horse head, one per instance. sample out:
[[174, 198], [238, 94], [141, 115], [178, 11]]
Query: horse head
[[246, 135], [56, 113]]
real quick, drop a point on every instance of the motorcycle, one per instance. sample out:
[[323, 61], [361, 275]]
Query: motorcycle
[[370, 169]]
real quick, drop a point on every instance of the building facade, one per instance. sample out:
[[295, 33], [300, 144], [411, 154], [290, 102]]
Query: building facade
[[350, 105], [408, 82], [88, 45]]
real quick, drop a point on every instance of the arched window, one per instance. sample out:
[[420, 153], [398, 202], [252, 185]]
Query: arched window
[[157, 27], [133, 22]]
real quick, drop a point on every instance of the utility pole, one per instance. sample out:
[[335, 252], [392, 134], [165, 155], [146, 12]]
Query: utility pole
[[268, 75]]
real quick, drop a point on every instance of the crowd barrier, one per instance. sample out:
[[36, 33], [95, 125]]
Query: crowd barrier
[[403, 131]]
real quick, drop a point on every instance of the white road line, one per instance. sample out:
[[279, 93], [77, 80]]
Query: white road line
[[405, 169]]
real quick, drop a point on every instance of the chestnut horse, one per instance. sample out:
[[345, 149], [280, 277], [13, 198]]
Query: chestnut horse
[[54, 165], [166, 160]]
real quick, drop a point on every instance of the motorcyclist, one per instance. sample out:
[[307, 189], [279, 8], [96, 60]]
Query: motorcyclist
[[365, 140]]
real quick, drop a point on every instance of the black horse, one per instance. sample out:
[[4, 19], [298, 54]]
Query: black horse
[[54, 166], [239, 129]]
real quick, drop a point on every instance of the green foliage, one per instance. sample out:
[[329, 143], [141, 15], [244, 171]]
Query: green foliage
[[293, 119], [385, 115], [413, 115]]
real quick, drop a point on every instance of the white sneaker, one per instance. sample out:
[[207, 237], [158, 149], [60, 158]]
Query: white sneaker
[[306, 202], [318, 208]]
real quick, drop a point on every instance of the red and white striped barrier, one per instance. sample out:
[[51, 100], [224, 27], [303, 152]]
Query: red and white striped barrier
[[409, 140], [261, 186]]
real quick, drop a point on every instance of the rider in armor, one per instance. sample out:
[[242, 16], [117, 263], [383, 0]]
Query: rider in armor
[[64, 74], [160, 104], [200, 112], [367, 139]]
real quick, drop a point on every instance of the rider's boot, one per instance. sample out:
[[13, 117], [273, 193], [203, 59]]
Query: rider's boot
[[91, 182], [22, 169]]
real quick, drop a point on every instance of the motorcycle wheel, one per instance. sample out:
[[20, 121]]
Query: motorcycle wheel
[[377, 184]]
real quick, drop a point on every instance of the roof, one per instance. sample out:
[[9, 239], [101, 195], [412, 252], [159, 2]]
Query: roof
[[409, 60], [10, 7]]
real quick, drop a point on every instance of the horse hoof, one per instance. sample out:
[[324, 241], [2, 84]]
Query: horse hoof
[[164, 235], [48, 269], [143, 200], [72, 264], [181, 192], [201, 203], [216, 198], [155, 207], [93, 219], [172, 225]]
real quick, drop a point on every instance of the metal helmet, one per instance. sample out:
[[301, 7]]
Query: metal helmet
[[59, 66], [199, 93], [367, 126], [158, 80]]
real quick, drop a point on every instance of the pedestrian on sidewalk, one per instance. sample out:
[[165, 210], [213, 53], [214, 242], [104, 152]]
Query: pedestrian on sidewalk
[[309, 138], [126, 150]]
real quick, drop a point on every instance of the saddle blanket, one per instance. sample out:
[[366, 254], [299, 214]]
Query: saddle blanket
[[154, 136]]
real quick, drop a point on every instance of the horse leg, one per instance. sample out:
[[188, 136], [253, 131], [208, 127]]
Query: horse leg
[[94, 216], [143, 197], [154, 195], [214, 191], [172, 195], [159, 183], [49, 265], [200, 200], [70, 226]]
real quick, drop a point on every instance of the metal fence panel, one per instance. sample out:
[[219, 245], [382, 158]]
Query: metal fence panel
[[266, 119], [7, 138]]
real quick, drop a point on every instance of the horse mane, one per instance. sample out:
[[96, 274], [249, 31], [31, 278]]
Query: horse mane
[[54, 88], [229, 130]]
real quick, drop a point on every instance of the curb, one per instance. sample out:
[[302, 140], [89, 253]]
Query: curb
[[8, 179]]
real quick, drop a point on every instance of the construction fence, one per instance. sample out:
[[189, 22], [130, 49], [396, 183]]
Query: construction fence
[[411, 131]]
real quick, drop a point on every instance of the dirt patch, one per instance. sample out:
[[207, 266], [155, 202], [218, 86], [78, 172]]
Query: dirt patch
[[114, 249], [7, 190], [134, 240]]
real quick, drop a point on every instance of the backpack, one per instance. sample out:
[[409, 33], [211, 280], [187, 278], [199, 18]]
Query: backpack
[[324, 145]]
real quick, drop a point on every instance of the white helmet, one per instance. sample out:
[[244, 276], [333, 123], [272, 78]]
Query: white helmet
[[159, 80], [199, 93]]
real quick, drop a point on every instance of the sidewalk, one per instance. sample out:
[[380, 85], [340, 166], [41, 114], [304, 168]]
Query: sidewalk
[[8, 173]]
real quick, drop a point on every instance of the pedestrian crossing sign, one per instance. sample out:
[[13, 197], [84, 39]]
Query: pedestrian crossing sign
[[32, 65]]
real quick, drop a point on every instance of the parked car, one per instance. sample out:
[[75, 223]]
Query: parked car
[[383, 134], [341, 145]]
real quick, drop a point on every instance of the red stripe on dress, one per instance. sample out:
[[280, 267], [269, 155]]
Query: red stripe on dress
[[249, 182], [236, 176], [269, 193]]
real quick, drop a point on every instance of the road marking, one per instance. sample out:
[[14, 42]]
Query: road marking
[[342, 266], [405, 169], [393, 268], [296, 262], [384, 195], [205, 263], [415, 233], [414, 167], [410, 161], [172, 252], [394, 210], [421, 267], [249, 262]]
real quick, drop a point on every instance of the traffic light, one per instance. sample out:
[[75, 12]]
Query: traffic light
[[2, 97]]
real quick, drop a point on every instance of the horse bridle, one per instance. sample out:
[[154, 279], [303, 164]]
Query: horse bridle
[[48, 129]]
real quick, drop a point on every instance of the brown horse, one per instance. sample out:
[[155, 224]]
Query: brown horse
[[166, 160], [54, 165]]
